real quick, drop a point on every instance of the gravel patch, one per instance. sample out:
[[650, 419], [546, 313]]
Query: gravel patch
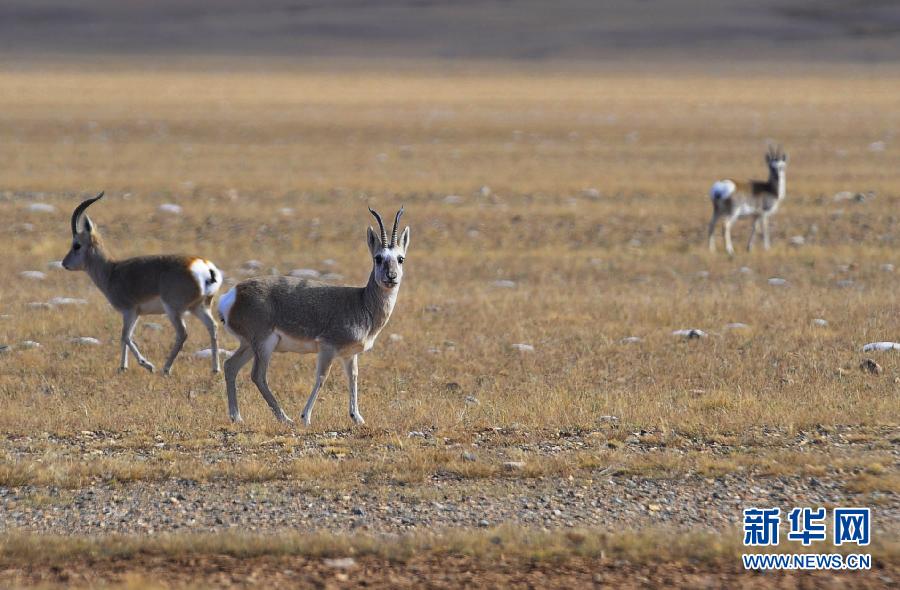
[[690, 503]]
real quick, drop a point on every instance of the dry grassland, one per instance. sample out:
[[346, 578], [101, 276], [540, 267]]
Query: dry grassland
[[505, 557], [279, 167], [235, 149]]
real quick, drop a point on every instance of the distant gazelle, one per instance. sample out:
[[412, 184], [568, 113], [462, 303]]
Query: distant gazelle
[[290, 314], [755, 198], [146, 285]]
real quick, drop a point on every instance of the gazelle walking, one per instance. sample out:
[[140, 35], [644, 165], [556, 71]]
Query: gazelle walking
[[146, 285], [758, 199], [290, 314]]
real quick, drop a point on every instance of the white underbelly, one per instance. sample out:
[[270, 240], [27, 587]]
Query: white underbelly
[[290, 344], [746, 209], [357, 347], [151, 306]]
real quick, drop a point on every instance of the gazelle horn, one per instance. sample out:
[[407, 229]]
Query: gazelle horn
[[380, 225], [79, 211]]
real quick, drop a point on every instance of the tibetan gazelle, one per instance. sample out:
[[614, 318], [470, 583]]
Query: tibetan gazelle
[[758, 199], [290, 314], [172, 285]]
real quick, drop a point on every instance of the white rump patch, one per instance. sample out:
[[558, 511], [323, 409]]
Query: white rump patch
[[721, 189], [225, 303], [208, 277]]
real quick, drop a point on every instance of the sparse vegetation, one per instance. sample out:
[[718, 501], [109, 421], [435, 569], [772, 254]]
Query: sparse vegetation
[[581, 556], [498, 543], [562, 211]]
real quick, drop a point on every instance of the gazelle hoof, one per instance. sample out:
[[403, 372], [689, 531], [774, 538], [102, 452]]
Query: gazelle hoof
[[357, 418], [149, 367], [236, 418]]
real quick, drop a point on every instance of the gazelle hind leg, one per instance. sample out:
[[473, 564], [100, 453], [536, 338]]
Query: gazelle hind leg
[[729, 247], [201, 311], [129, 322], [233, 366], [262, 355], [177, 319], [351, 368], [323, 364]]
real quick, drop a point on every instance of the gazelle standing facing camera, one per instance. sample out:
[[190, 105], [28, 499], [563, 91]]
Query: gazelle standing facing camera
[[145, 285], [290, 314], [758, 199]]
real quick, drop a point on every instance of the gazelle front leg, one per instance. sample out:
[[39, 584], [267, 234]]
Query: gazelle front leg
[[129, 318], [753, 227], [711, 234], [323, 364], [129, 321], [765, 230], [351, 368]]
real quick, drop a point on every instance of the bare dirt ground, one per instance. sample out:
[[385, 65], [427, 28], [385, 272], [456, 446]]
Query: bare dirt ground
[[445, 572], [562, 211]]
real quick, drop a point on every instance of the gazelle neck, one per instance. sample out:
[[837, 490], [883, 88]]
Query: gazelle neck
[[777, 182], [98, 265], [379, 303]]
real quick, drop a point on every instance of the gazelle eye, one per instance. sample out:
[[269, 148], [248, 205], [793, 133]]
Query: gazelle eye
[[400, 259], [76, 246], [379, 259]]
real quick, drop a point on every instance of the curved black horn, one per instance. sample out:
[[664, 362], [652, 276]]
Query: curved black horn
[[396, 223], [381, 225], [79, 210]]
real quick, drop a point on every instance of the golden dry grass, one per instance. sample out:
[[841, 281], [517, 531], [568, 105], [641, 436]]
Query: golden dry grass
[[236, 148], [381, 460], [657, 545]]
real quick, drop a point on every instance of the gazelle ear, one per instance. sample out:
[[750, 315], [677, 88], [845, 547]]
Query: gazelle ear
[[404, 239], [85, 225], [373, 240]]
